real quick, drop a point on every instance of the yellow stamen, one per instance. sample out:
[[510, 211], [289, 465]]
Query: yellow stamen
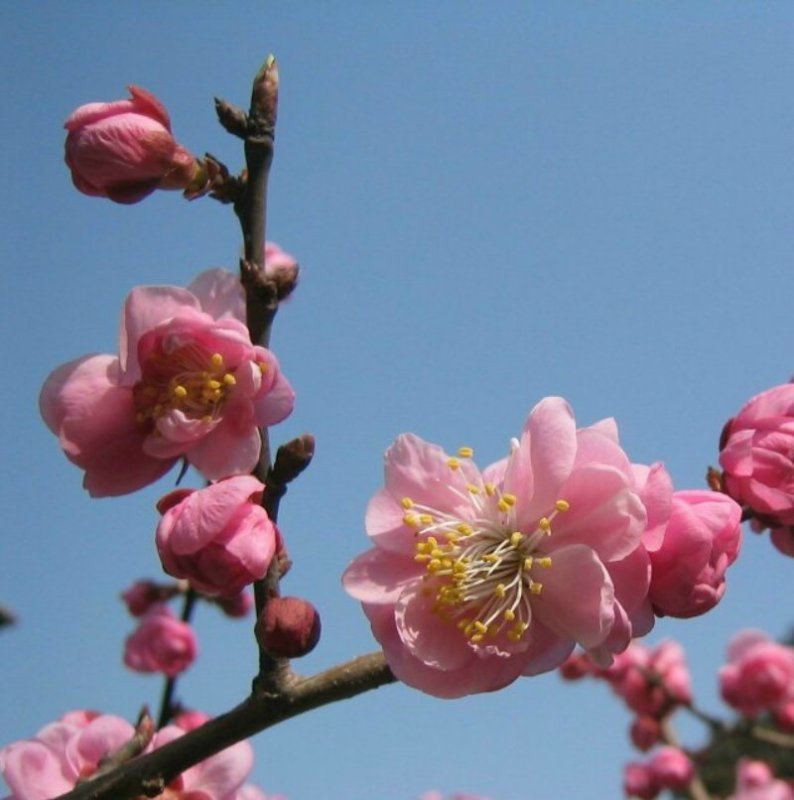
[[407, 502], [544, 524], [216, 360], [562, 505], [465, 452], [179, 391], [453, 463]]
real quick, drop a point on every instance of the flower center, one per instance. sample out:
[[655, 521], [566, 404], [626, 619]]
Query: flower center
[[187, 379], [481, 571]]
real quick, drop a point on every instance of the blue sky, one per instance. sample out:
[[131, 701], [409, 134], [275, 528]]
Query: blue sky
[[491, 203]]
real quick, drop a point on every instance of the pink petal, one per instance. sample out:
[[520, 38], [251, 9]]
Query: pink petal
[[226, 451], [378, 577], [546, 650], [385, 526], [34, 772], [220, 294], [144, 308], [577, 597]]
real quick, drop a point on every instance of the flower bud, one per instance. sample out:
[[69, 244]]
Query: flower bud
[[645, 732], [236, 606], [124, 150], [161, 643], [289, 627]]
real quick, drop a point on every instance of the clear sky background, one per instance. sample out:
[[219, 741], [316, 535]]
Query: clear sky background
[[491, 202]]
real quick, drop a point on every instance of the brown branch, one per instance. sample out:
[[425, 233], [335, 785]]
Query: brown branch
[[150, 774]]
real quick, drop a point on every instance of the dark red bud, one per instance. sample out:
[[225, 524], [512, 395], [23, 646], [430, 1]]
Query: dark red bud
[[289, 627]]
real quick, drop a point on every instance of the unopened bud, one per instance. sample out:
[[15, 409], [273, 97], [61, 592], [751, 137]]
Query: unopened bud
[[289, 627]]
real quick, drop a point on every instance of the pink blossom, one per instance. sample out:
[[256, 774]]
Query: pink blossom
[[701, 540], [185, 384], [755, 781], [671, 768], [160, 643], [639, 781], [60, 754], [757, 455], [651, 681], [219, 538], [759, 675], [645, 732], [478, 577], [124, 150], [64, 752]]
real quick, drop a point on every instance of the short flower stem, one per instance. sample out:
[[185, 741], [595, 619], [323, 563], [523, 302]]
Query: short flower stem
[[149, 775], [167, 701]]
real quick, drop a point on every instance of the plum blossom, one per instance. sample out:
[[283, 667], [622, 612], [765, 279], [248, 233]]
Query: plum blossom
[[186, 383], [160, 643], [701, 540], [124, 150], [478, 577], [219, 538], [668, 768], [759, 675], [755, 781], [757, 456], [64, 752]]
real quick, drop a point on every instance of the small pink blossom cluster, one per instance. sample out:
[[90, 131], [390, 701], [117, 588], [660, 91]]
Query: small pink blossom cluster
[[759, 677], [757, 459], [755, 781], [668, 768], [652, 682], [69, 750]]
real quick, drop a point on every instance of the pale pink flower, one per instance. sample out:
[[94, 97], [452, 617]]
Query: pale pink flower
[[161, 643], [757, 455], [759, 675], [60, 754], [755, 781], [278, 262], [185, 384], [124, 150], [219, 538], [701, 540], [479, 577]]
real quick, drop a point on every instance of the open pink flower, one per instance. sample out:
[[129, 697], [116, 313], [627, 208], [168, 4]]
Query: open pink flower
[[219, 538], [161, 643], [479, 577], [701, 540], [124, 150], [65, 752], [186, 383], [759, 675], [757, 455]]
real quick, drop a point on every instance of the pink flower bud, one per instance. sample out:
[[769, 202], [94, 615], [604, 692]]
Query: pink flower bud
[[756, 781], [671, 768], [237, 606], [141, 596], [188, 720], [645, 732], [219, 538], [756, 455], [701, 541], [758, 675], [124, 150], [289, 627], [639, 781], [161, 643]]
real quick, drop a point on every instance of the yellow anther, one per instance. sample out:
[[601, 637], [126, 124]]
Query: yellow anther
[[500, 590], [489, 558], [229, 379], [420, 557], [425, 519], [473, 489], [217, 360], [510, 499], [407, 502], [262, 367], [464, 530], [515, 538], [432, 541], [562, 505], [490, 489], [528, 563], [544, 524], [509, 614], [464, 623], [453, 463], [477, 638], [206, 419], [434, 565], [480, 627], [535, 587], [543, 562], [465, 452], [503, 505], [411, 520], [213, 384], [179, 391]]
